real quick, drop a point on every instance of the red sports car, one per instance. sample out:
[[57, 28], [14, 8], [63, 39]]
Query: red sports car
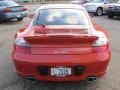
[[61, 44]]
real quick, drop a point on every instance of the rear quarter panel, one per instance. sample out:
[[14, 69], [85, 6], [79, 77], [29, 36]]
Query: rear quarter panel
[[100, 28]]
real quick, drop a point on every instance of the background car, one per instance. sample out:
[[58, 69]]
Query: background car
[[113, 10], [61, 44], [11, 10], [98, 7]]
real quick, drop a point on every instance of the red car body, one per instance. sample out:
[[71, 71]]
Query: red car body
[[74, 51]]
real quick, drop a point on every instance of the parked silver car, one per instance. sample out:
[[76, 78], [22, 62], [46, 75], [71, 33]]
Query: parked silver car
[[98, 7], [11, 10]]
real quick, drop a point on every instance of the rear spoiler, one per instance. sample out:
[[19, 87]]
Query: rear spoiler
[[61, 38]]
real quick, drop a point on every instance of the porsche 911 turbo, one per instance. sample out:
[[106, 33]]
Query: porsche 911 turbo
[[61, 43]]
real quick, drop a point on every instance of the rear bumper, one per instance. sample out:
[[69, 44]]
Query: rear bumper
[[95, 64], [14, 15]]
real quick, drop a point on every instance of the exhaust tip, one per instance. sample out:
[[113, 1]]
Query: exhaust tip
[[30, 78], [91, 78]]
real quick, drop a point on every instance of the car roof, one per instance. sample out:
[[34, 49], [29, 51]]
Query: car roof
[[60, 6]]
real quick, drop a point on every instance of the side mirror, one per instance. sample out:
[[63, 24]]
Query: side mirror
[[31, 15]]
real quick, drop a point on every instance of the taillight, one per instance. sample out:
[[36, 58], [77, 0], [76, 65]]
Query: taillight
[[102, 44], [21, 42], [26, 50], [100, 49], [102, 40], [25, 8], [7, 10]]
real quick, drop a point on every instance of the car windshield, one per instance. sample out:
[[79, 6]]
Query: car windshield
[[9, 3], [96, 1], [62, 17]]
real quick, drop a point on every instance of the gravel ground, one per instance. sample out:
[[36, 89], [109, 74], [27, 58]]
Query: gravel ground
[[10, 81]]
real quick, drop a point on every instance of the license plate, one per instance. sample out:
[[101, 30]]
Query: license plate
[[18, 16], [60, 72]]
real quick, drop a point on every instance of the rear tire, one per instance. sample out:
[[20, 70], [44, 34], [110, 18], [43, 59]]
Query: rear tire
[[19, 19], [99, 12]]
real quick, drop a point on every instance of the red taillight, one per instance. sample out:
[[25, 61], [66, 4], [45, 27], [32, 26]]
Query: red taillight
[[26, 50], [100, 48], [25, 8], [7, 10]]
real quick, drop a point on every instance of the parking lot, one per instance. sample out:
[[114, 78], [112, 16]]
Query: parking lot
[[10, 81]]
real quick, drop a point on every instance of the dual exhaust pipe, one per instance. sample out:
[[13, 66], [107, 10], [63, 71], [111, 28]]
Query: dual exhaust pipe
[[91, 78], [30, 78], [33, 79]]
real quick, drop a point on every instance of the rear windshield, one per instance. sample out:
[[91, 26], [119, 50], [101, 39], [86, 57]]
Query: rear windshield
[[9, 3], [62, 17]]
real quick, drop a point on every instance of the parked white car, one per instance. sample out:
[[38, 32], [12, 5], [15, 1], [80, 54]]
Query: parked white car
[[98, 7]]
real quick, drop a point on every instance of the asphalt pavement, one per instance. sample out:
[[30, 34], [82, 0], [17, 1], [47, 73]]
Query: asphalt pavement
[[9, 80]]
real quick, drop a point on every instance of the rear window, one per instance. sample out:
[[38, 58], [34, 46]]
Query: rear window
[[9, 3], [62, 17]]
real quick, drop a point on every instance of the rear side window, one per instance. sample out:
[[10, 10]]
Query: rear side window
[[9, 3], [62, 17]]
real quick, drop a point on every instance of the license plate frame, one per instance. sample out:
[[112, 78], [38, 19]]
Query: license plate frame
[[61, 71]]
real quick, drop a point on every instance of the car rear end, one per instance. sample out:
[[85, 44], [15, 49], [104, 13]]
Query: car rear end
[[61, 52], [11, 10], [68, 62]]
